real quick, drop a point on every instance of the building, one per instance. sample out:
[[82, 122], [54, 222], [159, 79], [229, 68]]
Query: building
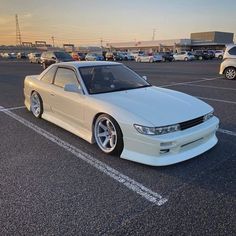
[[152, 46], [202, 40], [213, 40]]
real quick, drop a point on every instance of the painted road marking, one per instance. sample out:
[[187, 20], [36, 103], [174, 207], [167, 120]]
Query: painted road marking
[[225, 131], [189, 82], [208, 86], [217, 100], [131, 184], [11, 108]]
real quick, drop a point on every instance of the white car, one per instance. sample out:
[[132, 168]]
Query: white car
[[219, 54], [148, 58], [34, 57], [183, 56], [228, 66], [107, 103]]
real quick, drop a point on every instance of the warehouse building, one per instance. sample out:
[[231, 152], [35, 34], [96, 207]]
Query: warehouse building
[[202, 40]]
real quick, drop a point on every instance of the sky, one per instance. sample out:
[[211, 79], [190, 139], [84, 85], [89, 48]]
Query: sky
[[87, 22]]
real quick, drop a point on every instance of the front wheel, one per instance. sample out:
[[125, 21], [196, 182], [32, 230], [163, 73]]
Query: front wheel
[[36, 104], [230, 73], [151, 60], [108, 135], [186, 59]]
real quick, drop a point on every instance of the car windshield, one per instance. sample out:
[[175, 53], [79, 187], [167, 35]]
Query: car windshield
[[62, 55], [110, 78]]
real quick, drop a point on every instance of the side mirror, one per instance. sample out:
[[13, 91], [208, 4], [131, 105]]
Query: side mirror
[[145, 77], [73, 88]]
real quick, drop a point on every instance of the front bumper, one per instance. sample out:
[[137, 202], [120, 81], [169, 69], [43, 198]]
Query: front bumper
[[171, 148]]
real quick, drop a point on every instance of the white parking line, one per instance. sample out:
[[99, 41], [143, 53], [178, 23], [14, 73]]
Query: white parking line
[[189, 82], [208, 86], [11, 108], [225, 131], [131, 184], [217, 100]]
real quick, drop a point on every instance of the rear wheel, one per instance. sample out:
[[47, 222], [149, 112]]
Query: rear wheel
[[230, 73], [186, 59], [220, 57], [36, 104], [108, 135]]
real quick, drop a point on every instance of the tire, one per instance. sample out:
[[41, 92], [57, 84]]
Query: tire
[[185, 59], [36, 105], [200, 58], [151, 60], [163, 59], [220, 57], [108, 135], [230, 73]]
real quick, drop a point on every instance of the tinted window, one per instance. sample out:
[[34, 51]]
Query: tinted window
[[48, 77], [232, 51], [104, 79], [65, 76], [62, 55]]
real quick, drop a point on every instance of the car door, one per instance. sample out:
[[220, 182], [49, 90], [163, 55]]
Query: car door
[[67, 106]]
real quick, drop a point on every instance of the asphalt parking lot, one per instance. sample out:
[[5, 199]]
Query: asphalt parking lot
[[54, 183]]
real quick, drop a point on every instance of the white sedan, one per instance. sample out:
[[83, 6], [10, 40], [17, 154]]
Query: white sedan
[[148, 58], [183, 56], [107, 103]]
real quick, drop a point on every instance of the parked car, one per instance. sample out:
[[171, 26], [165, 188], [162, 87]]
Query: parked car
[[51, 57], [151, 58], [128, 56], [201, 55], [166, 56], [21, 55], [78, 56], [136, 54], [183, 56], [110, 56], [228, 66], [211, 54], [219, 54], [9, 55], [109, 104], [34, 57], [94, 57]]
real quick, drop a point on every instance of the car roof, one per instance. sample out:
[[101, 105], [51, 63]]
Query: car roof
[[79, 64], [230, 46]]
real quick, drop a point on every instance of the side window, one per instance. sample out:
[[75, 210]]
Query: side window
[[65, 76], [48, 77], [232, 51]]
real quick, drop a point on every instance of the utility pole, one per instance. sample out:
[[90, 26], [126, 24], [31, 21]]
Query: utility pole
[[18, 34], [153, 34], [101, 41], [53, 38]]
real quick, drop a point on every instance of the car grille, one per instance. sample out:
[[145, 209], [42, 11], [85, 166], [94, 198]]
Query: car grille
[[191, 123]]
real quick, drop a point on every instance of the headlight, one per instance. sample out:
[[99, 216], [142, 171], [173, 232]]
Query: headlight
[[208, 116], [157, 130]]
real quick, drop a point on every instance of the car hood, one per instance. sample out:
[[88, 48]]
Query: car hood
[[158, 106]]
